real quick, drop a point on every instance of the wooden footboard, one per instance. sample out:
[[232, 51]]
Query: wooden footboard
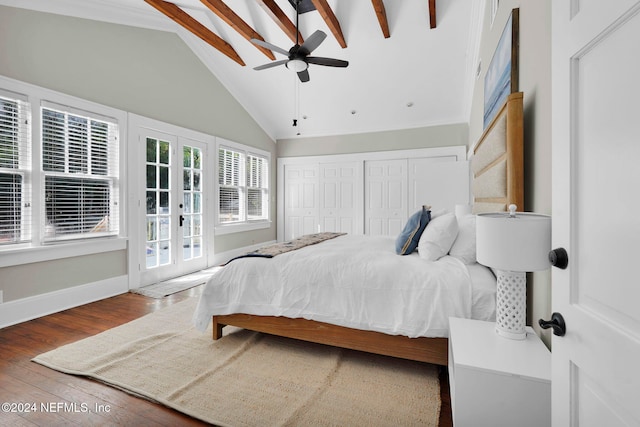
[[430, 350]]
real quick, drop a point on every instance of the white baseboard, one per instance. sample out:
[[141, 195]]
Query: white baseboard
[[25, 309], [223, 257]]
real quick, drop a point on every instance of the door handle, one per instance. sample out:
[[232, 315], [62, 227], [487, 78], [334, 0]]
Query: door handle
[[181, 220], [556, 323], [559, 258]]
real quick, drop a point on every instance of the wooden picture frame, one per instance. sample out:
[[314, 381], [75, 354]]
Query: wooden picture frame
[[502, 75]]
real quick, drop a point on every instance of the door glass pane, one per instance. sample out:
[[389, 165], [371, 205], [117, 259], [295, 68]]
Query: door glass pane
[[186, 249], [152, 150], [186, 162], [192, 196], [163, 155], [186, 226], [158, 242], [165, 232], [187, 202], [164, 202], [196, 180], [164, 177], [196, 203], [152, 202], [151, 176], [186, 179], [152, 228]]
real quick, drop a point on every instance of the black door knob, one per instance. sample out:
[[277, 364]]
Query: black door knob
[[556, 323], [559, 258]]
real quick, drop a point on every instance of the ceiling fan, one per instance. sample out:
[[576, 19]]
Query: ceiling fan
[[298, 56]]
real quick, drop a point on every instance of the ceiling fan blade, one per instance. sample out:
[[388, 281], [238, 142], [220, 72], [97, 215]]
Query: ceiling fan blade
[[270, 64], [313, 41], [329, 62], [270, 46], [304, 76]]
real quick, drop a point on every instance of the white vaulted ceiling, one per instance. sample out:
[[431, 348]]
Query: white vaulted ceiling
[[417, 77]]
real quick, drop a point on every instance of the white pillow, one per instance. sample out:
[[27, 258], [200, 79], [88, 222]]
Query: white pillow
[[437, 238], [464, 247]]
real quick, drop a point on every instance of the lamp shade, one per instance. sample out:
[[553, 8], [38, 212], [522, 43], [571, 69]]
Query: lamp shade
[[513, 241]]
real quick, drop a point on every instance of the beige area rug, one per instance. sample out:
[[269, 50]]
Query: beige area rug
[[252, 379], [172, 286]]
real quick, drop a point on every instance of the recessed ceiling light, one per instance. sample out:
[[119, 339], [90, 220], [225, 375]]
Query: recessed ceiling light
[[410, 104]]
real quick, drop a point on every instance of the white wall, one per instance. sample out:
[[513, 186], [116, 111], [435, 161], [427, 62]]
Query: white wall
[[535, 83]]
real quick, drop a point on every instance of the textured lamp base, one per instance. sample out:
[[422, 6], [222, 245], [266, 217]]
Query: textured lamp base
[[511, 305]]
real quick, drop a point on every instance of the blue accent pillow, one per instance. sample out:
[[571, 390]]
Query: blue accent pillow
[[407, 241]]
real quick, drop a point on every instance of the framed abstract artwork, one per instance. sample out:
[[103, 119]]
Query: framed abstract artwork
[[501, 78]]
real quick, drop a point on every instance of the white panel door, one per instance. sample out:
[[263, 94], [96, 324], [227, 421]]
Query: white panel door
[[595, 151], [440, 182], [300, 200], [341, 197], [385, 196]]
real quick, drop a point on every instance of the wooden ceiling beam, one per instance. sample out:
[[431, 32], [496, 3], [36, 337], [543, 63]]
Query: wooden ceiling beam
[[186, 21], [381, 13], [225, 13], [280, 18], [432, 13], [330, 18]]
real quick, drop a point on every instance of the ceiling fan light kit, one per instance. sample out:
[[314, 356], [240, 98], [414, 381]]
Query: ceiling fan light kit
[[297, 65]]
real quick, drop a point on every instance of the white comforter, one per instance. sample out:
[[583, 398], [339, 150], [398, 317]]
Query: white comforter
[[353, 281]]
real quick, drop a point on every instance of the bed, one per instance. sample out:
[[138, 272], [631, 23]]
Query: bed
[[408, 305]]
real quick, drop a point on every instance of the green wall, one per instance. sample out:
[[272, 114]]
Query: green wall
[[406, 139], [147, 72]]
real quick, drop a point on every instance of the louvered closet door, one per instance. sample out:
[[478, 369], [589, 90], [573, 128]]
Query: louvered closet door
[[301, 200], [385, 196], [340, 186]]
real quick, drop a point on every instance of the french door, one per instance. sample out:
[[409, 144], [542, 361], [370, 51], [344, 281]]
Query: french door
[[173, 220]]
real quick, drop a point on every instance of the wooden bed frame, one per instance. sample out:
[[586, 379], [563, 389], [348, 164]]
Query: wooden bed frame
[[497, 167]]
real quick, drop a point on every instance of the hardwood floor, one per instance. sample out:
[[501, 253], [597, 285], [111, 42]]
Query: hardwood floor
[[54, 398]]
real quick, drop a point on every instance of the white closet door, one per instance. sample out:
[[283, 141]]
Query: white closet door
[[301, 200], [385, 196], [341, 197]]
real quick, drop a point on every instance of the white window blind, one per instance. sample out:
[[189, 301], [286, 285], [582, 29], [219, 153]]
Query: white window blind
[[257, 187], [80, 165], [15, 168], [243, 184], [231, 182]]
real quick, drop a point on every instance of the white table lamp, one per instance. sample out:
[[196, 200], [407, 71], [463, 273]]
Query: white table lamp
[[513, 243]]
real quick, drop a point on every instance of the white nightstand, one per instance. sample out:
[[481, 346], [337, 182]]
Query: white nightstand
[[497, 381]]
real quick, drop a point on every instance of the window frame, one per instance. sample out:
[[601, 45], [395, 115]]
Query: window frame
[[37, 248], [77, 174], [22, 165], [244, 223]]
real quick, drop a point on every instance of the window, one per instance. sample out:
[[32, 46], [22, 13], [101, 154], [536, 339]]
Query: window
[[80, 167], [257, 189], [59, 173], [243, 185], [15, 169]]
